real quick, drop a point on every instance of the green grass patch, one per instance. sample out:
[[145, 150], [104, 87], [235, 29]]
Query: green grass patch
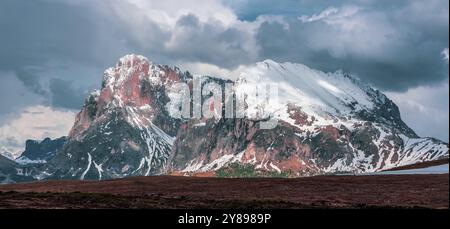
[[236, 170]]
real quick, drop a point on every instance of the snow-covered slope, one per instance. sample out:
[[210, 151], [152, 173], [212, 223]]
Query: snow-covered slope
[[318, 93], [331, 98], [335, 123], [6, 153]]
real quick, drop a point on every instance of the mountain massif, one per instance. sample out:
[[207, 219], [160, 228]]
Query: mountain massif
[[325, 123]]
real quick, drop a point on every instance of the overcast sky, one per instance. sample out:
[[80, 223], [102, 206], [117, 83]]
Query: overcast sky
[[53, 52]]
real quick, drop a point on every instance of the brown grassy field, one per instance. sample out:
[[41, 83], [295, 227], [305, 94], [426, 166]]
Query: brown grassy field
[[388, 191]]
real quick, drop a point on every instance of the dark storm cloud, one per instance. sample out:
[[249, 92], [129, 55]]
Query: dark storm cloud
[[43, 31], [36, 32], [65, 95], [250, 9], [13, 95], [210, 43], [41, 40], [393, 49], [46, 43]]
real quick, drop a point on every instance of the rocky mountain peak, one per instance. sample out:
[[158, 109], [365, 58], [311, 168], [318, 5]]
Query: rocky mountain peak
[[40, 151], [327, 123], [135, 83]]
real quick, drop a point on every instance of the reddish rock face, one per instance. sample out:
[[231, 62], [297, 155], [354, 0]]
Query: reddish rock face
[[133, 82], [300, 117], [240, 141], [82, 123]]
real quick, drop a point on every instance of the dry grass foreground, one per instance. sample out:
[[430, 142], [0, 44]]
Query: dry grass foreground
[[388, 191]]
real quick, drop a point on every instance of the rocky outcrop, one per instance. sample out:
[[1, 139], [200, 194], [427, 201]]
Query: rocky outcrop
[[41, 151]]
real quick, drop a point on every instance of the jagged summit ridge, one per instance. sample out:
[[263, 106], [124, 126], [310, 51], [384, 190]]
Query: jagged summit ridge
[[128, 67], [135, 83], [331, 98]]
